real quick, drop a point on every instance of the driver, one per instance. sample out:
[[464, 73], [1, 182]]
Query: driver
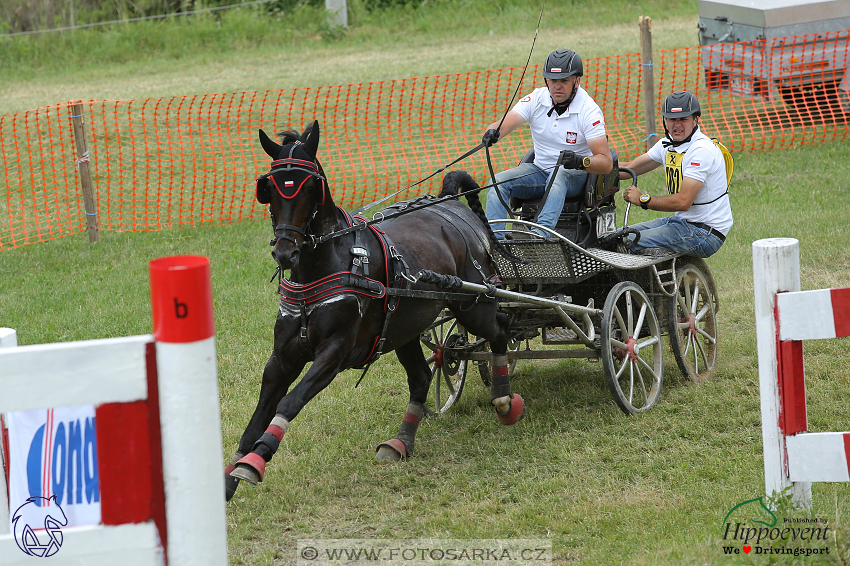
[[696, 182], [562, 118]]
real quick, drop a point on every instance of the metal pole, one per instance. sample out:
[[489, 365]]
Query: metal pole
[[82, 163], [339, 11], [645, 23]]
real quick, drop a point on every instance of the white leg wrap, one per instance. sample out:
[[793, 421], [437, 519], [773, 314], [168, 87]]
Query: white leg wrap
[[280, 422]]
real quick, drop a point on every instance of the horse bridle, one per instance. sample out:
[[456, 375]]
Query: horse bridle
[[291, 163]]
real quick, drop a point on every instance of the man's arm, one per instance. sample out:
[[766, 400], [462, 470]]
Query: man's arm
[[512, 121], [601, 161], [678, 202], [640, 165]]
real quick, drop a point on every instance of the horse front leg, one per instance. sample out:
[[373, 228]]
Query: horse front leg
[[252, 466], [418, 381], [277, 377]]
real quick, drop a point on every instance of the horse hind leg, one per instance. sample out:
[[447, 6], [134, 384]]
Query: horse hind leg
[[418, 381], [510, 408], [483, 321]]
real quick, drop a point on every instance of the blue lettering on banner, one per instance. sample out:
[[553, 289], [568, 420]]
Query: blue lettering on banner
[[72, 468]]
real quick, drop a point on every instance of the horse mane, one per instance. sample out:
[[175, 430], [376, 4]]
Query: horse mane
[[460, 181], [291, 136]]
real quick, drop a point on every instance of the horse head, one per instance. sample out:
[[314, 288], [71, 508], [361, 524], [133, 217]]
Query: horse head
[[294, 189]]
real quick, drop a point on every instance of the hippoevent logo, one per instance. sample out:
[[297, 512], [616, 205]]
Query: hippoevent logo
[[753, 528], [39, 514]]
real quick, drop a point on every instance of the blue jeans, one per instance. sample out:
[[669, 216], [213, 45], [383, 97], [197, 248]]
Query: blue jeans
[[673, 233], [568, 183]]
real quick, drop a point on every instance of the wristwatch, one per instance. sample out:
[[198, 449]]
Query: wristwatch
[[585, 162], [644, 201]]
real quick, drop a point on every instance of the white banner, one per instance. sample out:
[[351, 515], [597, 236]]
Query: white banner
[[53, 452]]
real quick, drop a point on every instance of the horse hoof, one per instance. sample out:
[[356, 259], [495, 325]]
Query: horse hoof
[[250, 468], [516, 412], [391, 450], [230, 485]]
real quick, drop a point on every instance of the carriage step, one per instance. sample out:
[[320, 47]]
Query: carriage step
[[559, 335], [666, 278]]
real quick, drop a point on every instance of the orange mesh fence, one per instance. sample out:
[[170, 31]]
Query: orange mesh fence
[[177, 162]]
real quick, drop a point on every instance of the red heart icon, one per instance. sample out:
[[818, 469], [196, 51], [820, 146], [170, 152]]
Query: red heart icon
[[747, 549]]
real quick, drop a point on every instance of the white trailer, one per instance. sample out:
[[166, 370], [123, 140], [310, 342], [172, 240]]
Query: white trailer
[[754, 48]]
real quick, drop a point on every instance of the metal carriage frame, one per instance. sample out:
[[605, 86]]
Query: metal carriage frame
[[589, 303]]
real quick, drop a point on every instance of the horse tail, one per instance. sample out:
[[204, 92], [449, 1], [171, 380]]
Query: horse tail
[[459, 181]]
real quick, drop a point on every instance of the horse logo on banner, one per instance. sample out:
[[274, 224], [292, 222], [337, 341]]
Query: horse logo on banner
[[39, 514]]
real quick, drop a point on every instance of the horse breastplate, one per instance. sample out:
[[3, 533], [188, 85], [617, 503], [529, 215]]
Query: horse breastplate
[[301, 299], [343, 282]]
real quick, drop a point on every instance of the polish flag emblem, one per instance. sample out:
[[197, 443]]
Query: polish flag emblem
[[596, 123], [695, 163], [555, 70], [289, 184]]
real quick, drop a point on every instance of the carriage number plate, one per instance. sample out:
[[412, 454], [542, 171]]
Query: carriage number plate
[[606, 223]]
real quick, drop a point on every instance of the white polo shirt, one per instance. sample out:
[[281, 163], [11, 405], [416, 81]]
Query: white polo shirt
[[552, 134], [698, 159]]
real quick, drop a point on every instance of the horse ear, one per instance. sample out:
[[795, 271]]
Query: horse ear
[[270, 147], [312, 139]]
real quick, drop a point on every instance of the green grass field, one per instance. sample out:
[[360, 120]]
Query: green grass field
[[604, 488]]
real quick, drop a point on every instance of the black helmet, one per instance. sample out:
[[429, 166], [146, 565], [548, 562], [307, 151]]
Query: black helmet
[[562, 63], [680, 104]]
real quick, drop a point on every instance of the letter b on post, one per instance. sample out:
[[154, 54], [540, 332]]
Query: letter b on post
[[180, 309], [181, 297]]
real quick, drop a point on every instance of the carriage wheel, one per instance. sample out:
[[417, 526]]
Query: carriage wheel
[[631, 348], [448, 374], [693, 324]]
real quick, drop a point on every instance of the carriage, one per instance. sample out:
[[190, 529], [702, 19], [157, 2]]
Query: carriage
[[430, 274], [575, 297]]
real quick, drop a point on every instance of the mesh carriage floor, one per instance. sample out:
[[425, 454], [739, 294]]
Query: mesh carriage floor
[[565, 262]]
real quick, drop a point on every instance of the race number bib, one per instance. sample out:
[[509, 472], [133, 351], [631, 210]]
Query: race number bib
[[673, 169]]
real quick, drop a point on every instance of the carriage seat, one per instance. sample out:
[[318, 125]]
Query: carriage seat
[[594, 190]]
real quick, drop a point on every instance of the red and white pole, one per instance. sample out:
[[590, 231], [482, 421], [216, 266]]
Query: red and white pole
[[8, 339], [184, 331], [776, 269]]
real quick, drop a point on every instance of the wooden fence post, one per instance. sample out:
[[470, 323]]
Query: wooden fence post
[[82, 164], [645, 23]]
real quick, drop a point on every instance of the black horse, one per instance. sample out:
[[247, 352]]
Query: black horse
[[345, 301]]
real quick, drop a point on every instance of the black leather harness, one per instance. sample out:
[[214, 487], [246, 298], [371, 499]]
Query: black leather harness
[[358, 282]]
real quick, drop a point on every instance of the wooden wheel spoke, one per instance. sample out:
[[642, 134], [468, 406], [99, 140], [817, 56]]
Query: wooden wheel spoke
[[695, 296], [642, 383], [711, 339]]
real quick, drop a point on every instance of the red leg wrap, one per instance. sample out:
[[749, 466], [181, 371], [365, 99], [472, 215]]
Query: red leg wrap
[[232, 464], [396, 445], [254, 461], [276, 431]]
